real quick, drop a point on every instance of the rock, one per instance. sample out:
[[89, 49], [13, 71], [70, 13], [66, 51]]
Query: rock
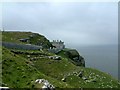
[[31, 59], [64, 79], [75, 57], [88, 81], [68, 74], [36, 81], [46, 84], [44, 87], [74, 73], [104, 77], [39, 81], [92, 80], [49, 57], [80, 74], [55, 57], [28, 56], [84, 78]]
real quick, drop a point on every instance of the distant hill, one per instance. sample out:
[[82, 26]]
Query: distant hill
[[20, 68]]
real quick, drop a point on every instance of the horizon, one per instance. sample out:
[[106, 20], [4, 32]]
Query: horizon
[[68, 46], [80, 23]]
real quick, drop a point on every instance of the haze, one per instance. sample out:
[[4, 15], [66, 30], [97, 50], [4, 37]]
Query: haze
[[80, 23]]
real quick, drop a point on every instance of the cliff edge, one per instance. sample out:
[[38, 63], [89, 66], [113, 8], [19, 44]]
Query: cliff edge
[[74, 56], [39, 68]]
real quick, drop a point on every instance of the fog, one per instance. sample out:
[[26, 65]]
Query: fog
[[80, 23]]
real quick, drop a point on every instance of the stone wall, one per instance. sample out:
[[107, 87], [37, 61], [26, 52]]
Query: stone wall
[[20, 46]]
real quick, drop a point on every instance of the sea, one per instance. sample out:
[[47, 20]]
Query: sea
[[101, 57]]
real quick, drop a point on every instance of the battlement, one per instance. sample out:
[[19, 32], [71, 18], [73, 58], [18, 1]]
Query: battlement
[[58, 44]]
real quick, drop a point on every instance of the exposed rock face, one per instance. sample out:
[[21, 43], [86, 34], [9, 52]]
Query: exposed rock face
[[55, 57], [46, 84], [75, 57]]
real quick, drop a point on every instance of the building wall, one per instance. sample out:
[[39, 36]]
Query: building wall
[[58, 45]]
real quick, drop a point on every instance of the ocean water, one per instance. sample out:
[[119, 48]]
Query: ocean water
[[103, 58]]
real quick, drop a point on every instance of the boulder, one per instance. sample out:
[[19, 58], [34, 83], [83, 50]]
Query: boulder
[[80, 74], [84, 78], [64, 79], [55, 57], [28, 56], [74, 73], [46, 84], [44, 87]]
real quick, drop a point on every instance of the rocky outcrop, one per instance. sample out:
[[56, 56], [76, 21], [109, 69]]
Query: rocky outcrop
[[46, 84], [75, 57], [55, 57]]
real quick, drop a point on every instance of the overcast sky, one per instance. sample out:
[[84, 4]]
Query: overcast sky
[[79, 23]]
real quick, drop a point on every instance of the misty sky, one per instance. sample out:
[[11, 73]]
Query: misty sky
[[79, 23]]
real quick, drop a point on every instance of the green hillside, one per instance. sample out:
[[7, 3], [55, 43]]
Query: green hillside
[[18, 72], [34, 38], [20, 69]]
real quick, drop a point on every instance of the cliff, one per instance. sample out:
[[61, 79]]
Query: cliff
[[73, 55], [23, 68]]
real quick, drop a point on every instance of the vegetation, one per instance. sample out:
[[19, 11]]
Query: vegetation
[[73, 56], [34, 38], [18, 72], [20, 69]]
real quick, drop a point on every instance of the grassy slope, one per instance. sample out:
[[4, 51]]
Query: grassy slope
[[17, 72], [105, 80], [51, 70], [14, 37], [0, 64], [20, 71]]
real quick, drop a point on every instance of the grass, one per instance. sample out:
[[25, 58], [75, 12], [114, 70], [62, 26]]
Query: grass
[[20, 67], [15, 37], [17, 73], [0, 64], [21, 70]]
